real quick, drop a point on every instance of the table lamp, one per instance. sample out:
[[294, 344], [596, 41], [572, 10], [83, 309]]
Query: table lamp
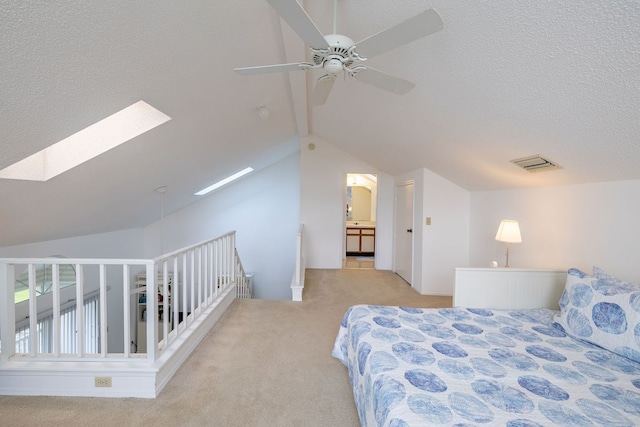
[[508, 232]]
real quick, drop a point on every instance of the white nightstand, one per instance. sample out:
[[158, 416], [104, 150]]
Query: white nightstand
[[508, 288]]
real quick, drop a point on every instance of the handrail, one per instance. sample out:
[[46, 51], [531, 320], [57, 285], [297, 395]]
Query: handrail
[[297, 283], [299, 254], [243, 286], [196, 245]]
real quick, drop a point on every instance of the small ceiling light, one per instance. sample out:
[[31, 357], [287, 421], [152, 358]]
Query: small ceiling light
[[224, 181], [263, 112]]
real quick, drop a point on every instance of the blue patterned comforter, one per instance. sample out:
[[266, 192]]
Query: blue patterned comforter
[[464, 367]]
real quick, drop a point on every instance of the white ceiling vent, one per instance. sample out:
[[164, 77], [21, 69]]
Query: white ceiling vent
[[535, 163]]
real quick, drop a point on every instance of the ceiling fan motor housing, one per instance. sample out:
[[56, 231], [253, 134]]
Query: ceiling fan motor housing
[[341, 53]]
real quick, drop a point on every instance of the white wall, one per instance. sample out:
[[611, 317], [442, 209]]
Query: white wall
[[566, 226], [444, 245], [117, 244], [322, 211], [263, 209], [446, 240]]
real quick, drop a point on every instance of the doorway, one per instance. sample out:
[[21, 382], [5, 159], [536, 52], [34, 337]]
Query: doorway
[[404, 232], [359, 219]]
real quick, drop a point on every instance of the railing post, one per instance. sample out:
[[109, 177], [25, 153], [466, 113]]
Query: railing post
[[33, 310], [55, 293], [221, 270], [152, 313], [193, 286], [199, 278], [166, 314], [7, 312], [126, 305], [232, 257], [215, 265], [203, 275], [79, 309], [297, 284], [225, 260], [175, 291], [299, 257], [184, 293], [103, 311]]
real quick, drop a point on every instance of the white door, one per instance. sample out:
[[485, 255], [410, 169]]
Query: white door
[[404, 232]]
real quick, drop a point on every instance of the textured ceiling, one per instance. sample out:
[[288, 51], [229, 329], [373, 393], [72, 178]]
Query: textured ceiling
[[502, 80]]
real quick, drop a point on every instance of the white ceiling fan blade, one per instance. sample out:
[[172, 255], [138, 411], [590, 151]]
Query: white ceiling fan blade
[[294, 15], [384, 81], [322, 89], [421, 25], [264, 69]]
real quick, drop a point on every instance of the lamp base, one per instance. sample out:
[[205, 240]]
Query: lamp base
[[506, 265]]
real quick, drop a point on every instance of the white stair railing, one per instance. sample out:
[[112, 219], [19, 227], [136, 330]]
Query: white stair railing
[[93, 270], [244, 287], [204, 279], [297, 282]]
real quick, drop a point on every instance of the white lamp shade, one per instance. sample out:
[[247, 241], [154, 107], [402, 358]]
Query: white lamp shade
[[509, 232]]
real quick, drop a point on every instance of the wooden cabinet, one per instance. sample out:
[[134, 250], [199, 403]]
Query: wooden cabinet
[[508, 288], [361, 240]]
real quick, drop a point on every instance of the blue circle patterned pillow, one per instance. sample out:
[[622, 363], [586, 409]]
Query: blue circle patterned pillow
[[602, 310]]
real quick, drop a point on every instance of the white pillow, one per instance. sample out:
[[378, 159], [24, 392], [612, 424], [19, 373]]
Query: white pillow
[[602, 310]]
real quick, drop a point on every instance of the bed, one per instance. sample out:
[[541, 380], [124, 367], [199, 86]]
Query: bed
[[461, 366]]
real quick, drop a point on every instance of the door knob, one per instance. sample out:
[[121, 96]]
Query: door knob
[[409, 230]]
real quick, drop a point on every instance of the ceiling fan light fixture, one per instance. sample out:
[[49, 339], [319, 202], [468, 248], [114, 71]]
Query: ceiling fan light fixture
[[333, 67]]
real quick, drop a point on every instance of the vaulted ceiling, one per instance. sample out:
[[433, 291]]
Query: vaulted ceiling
[[502, 80]]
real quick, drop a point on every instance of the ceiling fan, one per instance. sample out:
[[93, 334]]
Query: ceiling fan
[[335, 53]]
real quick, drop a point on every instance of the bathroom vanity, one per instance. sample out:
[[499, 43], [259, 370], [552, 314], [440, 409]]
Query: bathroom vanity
[[361, 239]]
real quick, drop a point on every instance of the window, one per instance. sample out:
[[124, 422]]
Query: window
[[44, 280], [68, 332]]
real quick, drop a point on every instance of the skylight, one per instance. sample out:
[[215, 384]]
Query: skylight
[[225, 181], [86, 144]]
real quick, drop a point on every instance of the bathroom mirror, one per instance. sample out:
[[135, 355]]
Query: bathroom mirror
[[361, 198]]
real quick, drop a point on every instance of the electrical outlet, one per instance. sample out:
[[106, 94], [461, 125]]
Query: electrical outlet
[[103, 381]]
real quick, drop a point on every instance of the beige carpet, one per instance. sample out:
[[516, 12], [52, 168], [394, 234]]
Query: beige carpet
[[265, 363]]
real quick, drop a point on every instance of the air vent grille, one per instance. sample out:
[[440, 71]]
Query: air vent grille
[[535, 163]]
